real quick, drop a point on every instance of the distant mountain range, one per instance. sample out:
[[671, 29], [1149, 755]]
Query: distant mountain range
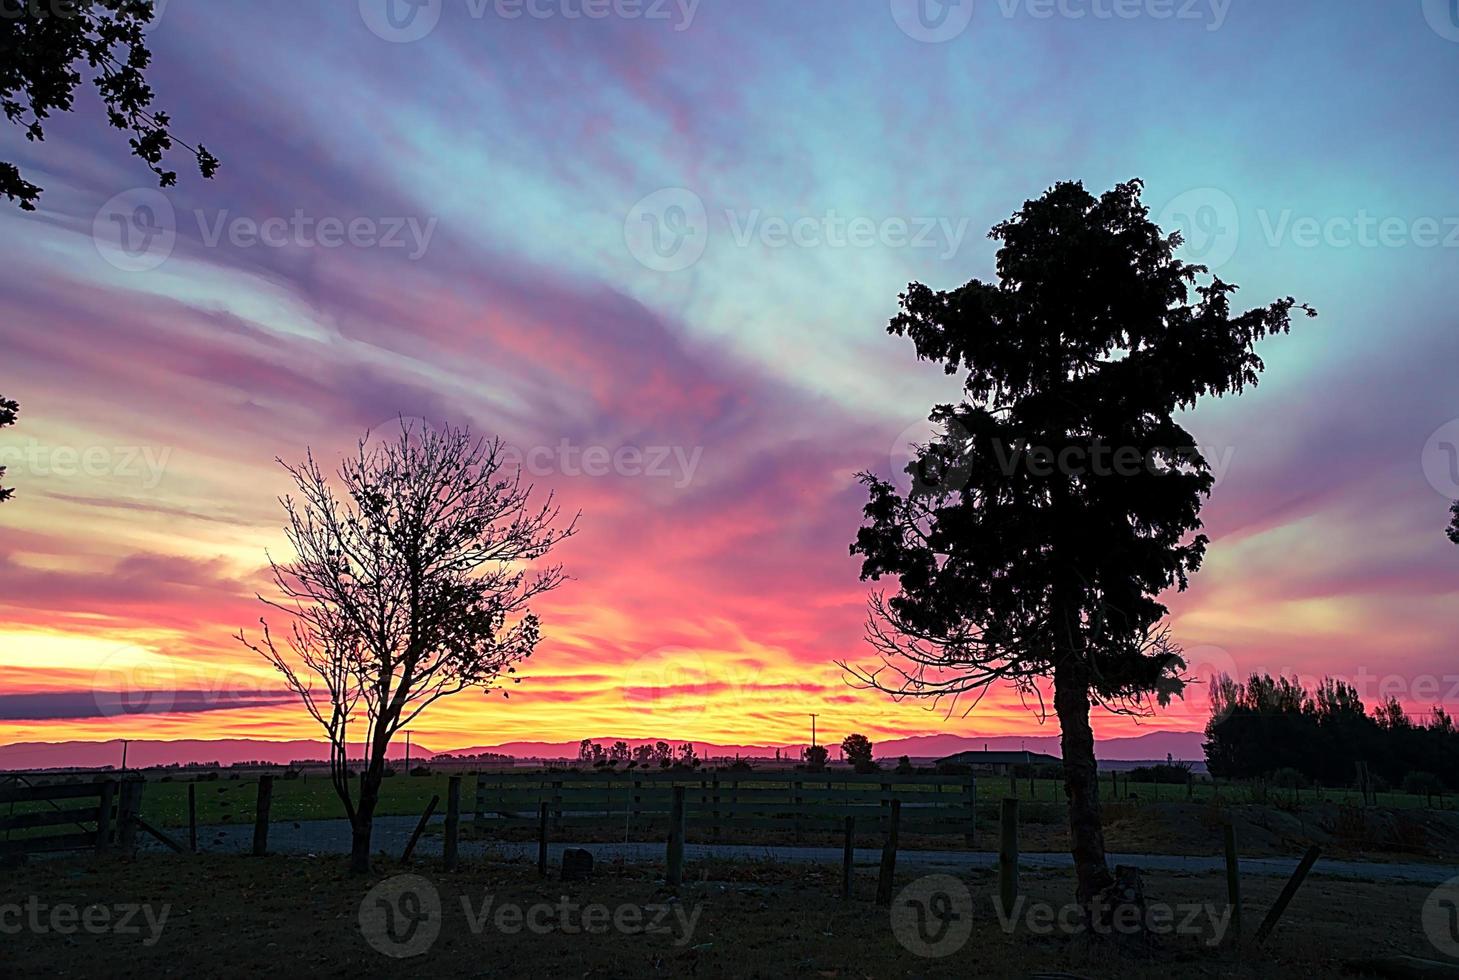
[[141, 753]]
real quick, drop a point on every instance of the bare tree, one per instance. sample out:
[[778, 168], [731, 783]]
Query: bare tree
[[408, 588]]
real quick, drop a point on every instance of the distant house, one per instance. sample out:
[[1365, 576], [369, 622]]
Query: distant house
[[999, 763]]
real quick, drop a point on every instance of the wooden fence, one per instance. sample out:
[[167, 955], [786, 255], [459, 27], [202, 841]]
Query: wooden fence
[[718, 804], [68, 816]]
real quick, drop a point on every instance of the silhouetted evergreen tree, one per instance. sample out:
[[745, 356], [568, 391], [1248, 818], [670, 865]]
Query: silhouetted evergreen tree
[[1062, 497]]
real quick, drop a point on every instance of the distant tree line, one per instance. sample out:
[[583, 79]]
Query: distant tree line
[[661, 754], [1268, 725]]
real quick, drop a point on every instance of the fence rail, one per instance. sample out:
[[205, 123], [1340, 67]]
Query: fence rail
[[68, 817], [724, 802]]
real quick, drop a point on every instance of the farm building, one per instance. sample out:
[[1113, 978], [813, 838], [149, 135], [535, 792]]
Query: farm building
[[999, 762]]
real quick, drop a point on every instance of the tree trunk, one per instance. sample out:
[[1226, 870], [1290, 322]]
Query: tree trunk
[[360, 842], [1081, 783], [365, 817]]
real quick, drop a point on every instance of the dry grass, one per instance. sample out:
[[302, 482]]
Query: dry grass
[[242, 916]]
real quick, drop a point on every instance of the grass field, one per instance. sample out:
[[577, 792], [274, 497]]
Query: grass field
[[312, 797], [241, 916], [1158, 819]]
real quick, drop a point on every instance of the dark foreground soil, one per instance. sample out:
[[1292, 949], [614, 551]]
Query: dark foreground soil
[[233, 916]]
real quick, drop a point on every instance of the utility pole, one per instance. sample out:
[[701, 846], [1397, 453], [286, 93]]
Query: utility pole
[[813, 731], [124, 755], [407, 751]]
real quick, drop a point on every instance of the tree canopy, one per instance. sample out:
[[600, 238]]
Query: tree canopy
[[9, 412], [44, 50], [1061, 495]]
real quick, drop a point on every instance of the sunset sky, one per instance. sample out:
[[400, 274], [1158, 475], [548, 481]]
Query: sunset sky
[[656, 254]]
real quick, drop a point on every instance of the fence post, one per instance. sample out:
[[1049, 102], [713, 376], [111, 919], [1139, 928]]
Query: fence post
[[715, 784], [557, 804], [1233, 880], [971, 837], [1008, 856], [1288, 891], [674, 874], [889, 857], [260, 816], [420, 827], [192, 816], [542, 839], [847, 856], [1012, 782], [129, 806], [103, 816], [795, 786], [453, 823]]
